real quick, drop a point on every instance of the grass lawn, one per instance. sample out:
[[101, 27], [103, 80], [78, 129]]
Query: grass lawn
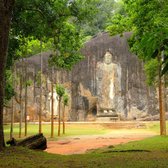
[[155, 126], [148, 153], [74, 129], [156, 157], [71, 130], [153, 144]]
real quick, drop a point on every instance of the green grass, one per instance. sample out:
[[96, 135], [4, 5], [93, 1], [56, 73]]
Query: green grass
[[155, 126], [71, 130], [148, 153], [153, 144], [156, 158], [157, 143]]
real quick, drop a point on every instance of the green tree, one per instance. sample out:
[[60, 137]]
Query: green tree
[[103, 12], [148, 21], [60, 91], [56, 20], [6, 8], [9, 90], [67, 47], [52, 103], [42, 20], [151, 71], [65, 103]]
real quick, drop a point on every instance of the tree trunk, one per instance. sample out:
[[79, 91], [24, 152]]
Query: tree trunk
[[6, 8], [41, 90], [46, 91], [26, 99], [52, 105], [33, 142], [34, 85], [63, 120], [12, 119], [161, 102], [59, 116], [21, 101], [12, 109]]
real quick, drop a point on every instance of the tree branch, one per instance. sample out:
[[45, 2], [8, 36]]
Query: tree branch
[[36, 10]]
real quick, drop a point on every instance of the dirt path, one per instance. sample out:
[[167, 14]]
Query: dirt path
[[80, 144]]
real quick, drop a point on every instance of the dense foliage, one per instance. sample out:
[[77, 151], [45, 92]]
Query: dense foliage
[[60, 90], [44, 25], [148, 20], [65, 99], [151, 69], [52, 20], [9, 90]]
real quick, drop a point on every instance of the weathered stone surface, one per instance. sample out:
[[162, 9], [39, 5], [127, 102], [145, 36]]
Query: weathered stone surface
[[133, 98], [108, 82], [152, 118], [114, 86]]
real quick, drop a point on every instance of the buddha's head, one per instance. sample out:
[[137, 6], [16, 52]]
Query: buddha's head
[[108, 57]]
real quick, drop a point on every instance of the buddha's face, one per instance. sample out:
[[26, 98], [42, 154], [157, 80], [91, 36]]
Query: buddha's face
[[108, 58]]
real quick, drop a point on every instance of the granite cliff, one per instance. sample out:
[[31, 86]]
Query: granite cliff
[[134, 98], [98, 86]]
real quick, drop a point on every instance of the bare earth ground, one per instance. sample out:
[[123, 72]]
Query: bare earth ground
[[80, 144]]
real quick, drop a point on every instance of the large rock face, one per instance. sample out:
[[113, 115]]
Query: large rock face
[[110, 80], [118, 86]]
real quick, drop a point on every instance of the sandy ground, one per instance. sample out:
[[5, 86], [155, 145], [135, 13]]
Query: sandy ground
[[80, 144]]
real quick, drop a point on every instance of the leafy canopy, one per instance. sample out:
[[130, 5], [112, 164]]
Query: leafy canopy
[[60, 90], [58, 20], [52, 22], [148, 20], [65, 99]]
